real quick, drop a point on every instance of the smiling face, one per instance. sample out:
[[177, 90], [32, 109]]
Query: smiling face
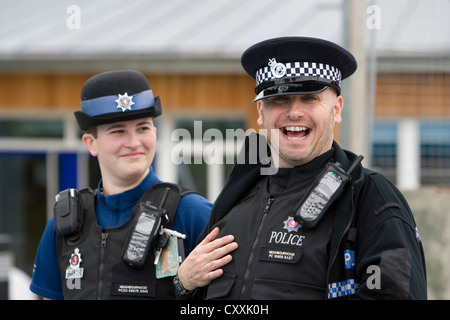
[[125, 151], [305, 123]]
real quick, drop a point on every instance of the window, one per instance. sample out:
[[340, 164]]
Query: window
[[384, 148], [199, 176], [39, 155], [22, 203], [27, 128], [434, 150]]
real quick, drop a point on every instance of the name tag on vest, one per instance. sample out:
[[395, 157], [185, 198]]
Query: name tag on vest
[[133, 289], [283, 255]]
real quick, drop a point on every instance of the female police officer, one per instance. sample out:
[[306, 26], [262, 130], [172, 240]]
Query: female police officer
[[322, 226], [81, 258]]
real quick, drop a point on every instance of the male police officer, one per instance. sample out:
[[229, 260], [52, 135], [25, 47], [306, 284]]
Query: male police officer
[[322, 226], [84, 257]]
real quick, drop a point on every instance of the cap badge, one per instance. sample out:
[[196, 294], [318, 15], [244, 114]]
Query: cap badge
[[277, 68], [124, 102]]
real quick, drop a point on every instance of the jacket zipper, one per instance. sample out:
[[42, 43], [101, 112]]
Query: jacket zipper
[[254, 246], [101, 265], [340, 240]]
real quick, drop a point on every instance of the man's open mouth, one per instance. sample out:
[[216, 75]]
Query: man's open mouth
[[296, 132]]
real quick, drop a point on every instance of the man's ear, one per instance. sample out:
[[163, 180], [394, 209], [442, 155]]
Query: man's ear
[[89, 141], [259, 107], [339, 104]]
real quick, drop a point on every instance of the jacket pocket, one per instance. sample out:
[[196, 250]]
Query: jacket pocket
[[277, 290], [221, 287]]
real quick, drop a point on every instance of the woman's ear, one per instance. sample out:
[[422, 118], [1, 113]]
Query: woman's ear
[[89, 141]]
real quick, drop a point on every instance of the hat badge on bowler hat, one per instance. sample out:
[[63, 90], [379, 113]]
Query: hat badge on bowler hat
[[297, 65], [124, 102], [116, 96]]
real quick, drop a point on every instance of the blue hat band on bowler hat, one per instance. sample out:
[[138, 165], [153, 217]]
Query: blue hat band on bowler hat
[[108, 104]]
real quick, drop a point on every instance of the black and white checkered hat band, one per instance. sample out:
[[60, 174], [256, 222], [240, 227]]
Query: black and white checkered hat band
[[299, 69]]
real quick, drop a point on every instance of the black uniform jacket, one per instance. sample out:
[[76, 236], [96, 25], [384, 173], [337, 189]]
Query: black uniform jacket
[[372, 222]]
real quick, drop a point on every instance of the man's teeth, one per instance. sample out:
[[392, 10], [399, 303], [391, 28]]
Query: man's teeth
[[296, 128]]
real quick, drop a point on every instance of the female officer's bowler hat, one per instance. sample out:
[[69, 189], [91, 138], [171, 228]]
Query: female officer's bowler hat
[[116, 96], [297, 65]]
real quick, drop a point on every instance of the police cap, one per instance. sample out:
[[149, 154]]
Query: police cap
[[297, 65]]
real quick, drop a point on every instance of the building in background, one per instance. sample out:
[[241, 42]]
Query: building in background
[[190, 50]]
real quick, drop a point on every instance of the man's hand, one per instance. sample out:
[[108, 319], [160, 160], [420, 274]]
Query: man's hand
[[204, 262]]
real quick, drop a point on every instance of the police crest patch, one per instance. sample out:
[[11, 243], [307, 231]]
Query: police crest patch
[[290, 224], [74, 271]]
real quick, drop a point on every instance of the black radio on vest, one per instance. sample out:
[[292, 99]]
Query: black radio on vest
[[145, 230], [326, 189]]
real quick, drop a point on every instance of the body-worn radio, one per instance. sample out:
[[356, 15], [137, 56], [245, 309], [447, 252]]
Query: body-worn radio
[[145, 230], [325, 191]]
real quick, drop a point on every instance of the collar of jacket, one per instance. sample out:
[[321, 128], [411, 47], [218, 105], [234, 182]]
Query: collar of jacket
[[347, 202], [242, 178]]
